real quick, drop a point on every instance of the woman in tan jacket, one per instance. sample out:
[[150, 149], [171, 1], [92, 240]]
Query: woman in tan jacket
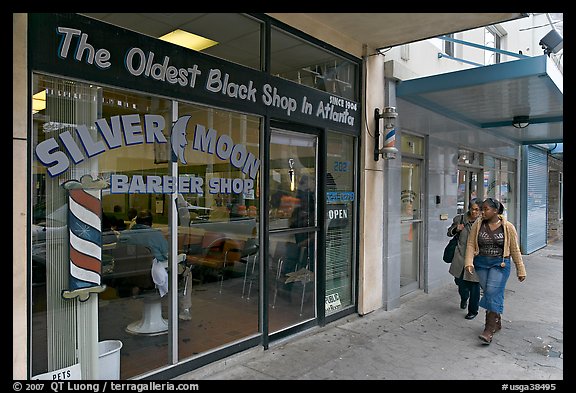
[[492, 243]]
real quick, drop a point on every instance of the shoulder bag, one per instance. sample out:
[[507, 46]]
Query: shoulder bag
[[450, 248]]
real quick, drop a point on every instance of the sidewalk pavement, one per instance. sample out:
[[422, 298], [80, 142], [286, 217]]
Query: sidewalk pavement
[[426, 338]]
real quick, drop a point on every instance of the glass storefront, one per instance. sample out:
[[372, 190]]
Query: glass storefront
[[412, 212], [217, 213], [482, 176], [293, 228]]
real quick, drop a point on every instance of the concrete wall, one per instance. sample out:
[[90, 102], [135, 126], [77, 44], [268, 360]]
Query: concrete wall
[[19, 196], [371, 200], [442, 181]]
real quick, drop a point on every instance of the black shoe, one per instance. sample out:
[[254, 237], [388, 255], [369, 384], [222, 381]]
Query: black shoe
[[463, 303], [471, 315]]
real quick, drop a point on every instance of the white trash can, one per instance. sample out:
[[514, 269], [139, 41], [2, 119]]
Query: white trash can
[[109, 359]]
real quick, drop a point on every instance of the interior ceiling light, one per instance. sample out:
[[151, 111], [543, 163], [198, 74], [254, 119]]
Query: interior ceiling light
[[188, 40], [520, 121], [39, 101]]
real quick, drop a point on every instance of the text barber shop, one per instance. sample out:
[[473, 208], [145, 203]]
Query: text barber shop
[[182, 207]]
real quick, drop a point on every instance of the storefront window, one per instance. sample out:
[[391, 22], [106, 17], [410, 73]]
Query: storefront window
[[489, 182], [467, 157], [218, 231], [71, 120], [412, 145], [319, 68], [340, 200], [121, 236], [499, 181], [507, 192]]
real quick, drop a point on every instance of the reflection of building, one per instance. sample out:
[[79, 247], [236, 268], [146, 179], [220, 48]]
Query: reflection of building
[[555, 216]]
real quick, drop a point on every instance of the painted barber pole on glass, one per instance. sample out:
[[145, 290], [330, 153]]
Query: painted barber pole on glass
[[84, 228]]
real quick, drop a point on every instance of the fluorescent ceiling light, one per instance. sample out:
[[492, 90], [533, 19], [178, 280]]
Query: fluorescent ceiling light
[[39, 101], [188, 40]]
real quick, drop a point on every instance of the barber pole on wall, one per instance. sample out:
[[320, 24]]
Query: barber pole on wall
[[85, 231], [84, 277], [390, 140], [389, 116]]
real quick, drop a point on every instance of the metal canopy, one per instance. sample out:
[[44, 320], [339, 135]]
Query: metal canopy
[[490, 97]]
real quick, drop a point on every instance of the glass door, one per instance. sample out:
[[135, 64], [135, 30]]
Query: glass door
[[292, 229], [410, 225]]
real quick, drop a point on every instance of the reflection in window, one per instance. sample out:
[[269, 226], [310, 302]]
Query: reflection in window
[[292, 222], [318, 68]]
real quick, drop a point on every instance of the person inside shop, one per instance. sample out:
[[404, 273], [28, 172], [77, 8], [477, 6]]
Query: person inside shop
[[143, 234], [302, 215], [109, 231], [118, 218], [132, 214], [492, 244], [468, 286]]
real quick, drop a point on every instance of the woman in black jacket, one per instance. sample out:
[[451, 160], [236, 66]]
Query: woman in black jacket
[[468, 286]]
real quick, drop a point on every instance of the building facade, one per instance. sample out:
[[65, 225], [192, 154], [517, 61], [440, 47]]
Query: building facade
[[272, 207]]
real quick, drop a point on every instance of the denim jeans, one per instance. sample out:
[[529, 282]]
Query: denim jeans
[[493, 278], [470, 291]]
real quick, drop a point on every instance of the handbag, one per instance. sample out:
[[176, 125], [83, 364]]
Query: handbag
[[450, 248]]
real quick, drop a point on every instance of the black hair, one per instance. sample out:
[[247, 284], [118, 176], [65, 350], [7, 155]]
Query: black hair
[[132, 213], [144, 217], [495, 203], [474, 201]]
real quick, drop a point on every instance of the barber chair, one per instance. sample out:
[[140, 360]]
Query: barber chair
[[218, 254], [132, 270]]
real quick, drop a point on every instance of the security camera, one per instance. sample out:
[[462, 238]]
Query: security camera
[[551, 42]]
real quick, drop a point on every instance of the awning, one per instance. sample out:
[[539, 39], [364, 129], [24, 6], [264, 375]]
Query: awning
[[489, 98]]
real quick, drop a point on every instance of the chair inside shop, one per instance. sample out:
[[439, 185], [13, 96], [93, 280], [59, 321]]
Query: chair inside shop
[[249, 257], [218, 258], [287, 259], [131, 276]]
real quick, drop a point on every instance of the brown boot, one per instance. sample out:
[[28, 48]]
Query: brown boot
[[498, 322], [489, 327]]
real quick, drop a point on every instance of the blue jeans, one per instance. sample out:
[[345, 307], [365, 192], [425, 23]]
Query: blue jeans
[[470, 291], [493, 278]]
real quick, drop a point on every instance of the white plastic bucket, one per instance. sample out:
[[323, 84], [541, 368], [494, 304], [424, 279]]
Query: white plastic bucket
[[109, 359]]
